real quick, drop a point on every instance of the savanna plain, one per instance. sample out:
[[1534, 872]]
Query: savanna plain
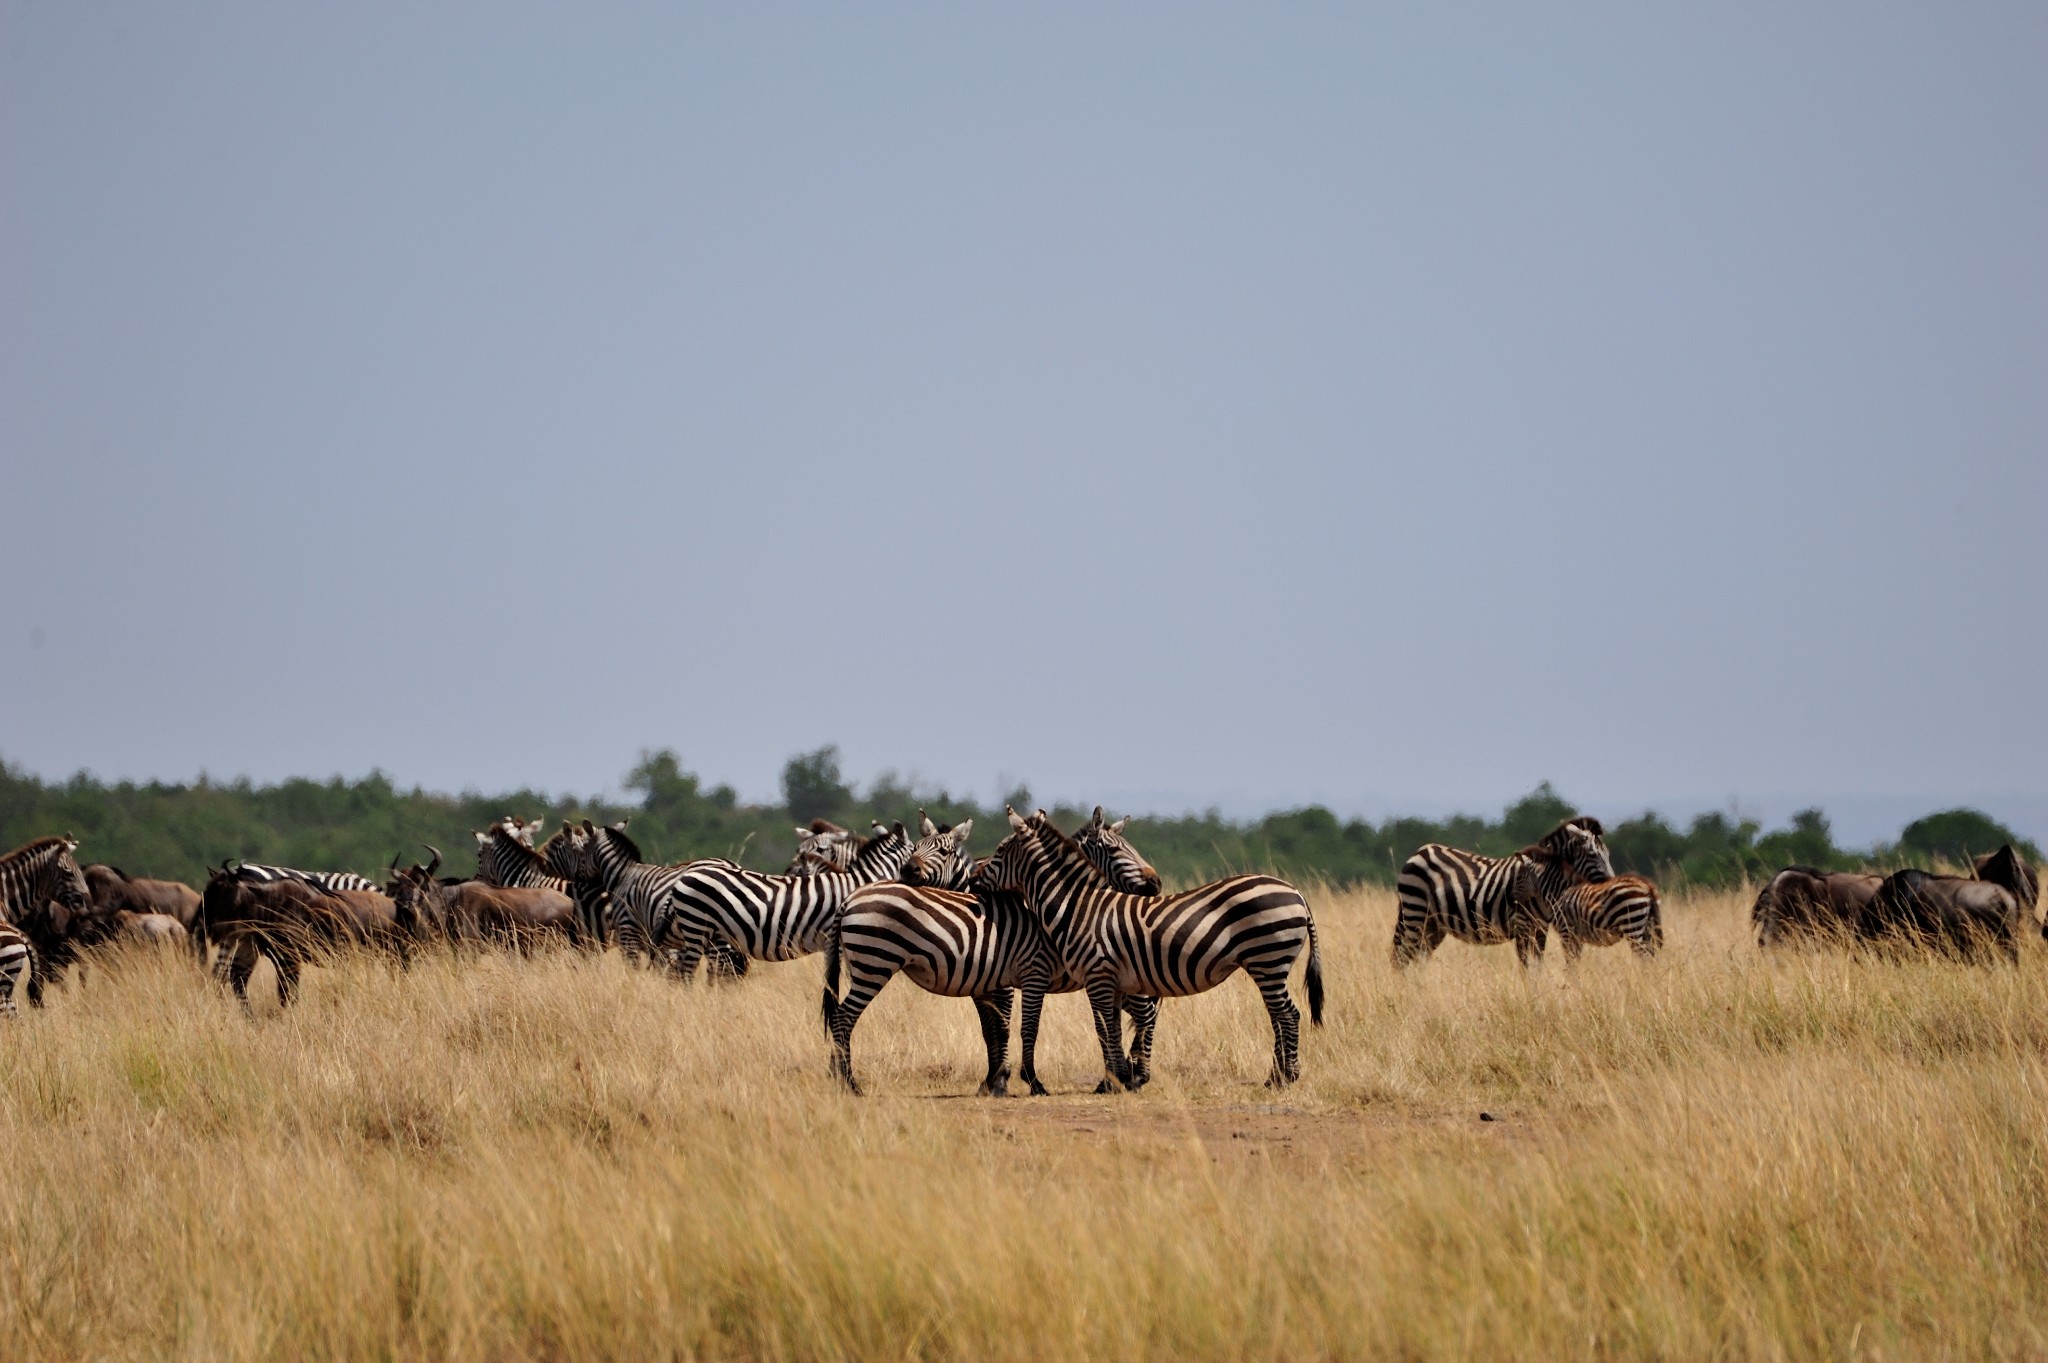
[[1713, 1155]]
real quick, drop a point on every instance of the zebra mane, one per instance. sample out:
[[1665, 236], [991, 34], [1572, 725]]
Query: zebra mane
[[31, 852], [1066, 847], [618, 837]]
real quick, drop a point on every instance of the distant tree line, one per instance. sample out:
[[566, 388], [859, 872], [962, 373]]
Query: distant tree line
[[181, 830]]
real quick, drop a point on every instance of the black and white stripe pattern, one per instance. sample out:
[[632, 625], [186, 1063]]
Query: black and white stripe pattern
[[767, 917], [336, 882], [608, 861], [17, 964], [962, 945], [505, 856], [33, 877], [1445, 891], [825, 846], [1620, 909], [1123, 944]]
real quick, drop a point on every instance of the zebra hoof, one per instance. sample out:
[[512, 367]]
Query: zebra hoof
[[1038, 1090], [997, 1086]]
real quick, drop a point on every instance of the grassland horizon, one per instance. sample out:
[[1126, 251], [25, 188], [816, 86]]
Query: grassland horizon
[[1711, 1155]]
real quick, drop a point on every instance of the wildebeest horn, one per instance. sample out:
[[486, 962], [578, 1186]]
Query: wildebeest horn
[[437, 859]]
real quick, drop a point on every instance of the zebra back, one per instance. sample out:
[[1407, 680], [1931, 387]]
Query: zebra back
[[336, 882]]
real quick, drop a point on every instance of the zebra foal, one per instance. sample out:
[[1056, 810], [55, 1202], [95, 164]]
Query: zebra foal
[[1603, 912], [1445, 891]]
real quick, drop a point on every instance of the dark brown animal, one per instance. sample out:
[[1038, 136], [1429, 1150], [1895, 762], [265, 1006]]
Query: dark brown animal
[[1801, 902], [291, 922], [471, 911], [1968, 918], [2008, 868], [114, 891]]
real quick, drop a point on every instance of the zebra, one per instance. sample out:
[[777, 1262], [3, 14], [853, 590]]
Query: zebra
[[604, 860], [33, 878], [770, 918], [17, 963], [1122, 944], [505, 856], [979, 946], [1488, 900], [824, 846], [1603, 912], [335, 882]]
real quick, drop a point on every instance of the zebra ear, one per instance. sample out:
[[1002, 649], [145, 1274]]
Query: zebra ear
[[1016, 820], [1118, 826], [960, 832], [481, 839], [925, 827], [1096, 820], [802, 832]]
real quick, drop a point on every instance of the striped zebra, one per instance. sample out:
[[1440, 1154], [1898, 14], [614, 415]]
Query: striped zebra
[[965, 945], [33, 878], [17, 963], [604, 859], [333, 881], [1489, 900], [1603, 912], [505, 856], [768, 917], [824, 846], [1121, 944]]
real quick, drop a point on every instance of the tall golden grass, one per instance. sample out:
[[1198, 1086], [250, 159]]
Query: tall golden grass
[[1711, 1156]]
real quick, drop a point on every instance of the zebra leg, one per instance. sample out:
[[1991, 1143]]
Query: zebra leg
[[995, 1034], [1144, 1015], [1573, 947], [1529, 949], [1027, 1039], [38, 972], [1416, 937], [1105, 1000], [1286, 1020], [859, 995]]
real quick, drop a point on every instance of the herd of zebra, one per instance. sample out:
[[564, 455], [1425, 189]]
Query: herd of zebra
[[1047, 912]]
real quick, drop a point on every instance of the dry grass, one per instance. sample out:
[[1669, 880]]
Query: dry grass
[[1711, 1157]]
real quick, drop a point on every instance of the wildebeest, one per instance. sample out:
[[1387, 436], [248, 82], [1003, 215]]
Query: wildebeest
[[1804, 902], [290, 920], [114, 892], [471, 911], [2008, 868], [1947, 913]]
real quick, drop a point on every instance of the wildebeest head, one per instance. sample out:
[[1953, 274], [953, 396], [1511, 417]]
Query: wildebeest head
[[2008, 868]]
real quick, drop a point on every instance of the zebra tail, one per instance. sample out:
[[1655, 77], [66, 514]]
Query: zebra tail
[[1314, 977], [831, 1002]]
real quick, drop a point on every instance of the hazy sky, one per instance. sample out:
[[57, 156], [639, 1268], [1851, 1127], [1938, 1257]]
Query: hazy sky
[[1168, 405]]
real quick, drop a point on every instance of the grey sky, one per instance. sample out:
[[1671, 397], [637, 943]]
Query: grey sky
[[1157, 404]]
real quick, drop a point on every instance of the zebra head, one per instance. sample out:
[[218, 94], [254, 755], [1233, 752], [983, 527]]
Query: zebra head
[[939, 857], [823, 846], [567, 852], [70, 889], [1578, 847], [1105, 845]]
